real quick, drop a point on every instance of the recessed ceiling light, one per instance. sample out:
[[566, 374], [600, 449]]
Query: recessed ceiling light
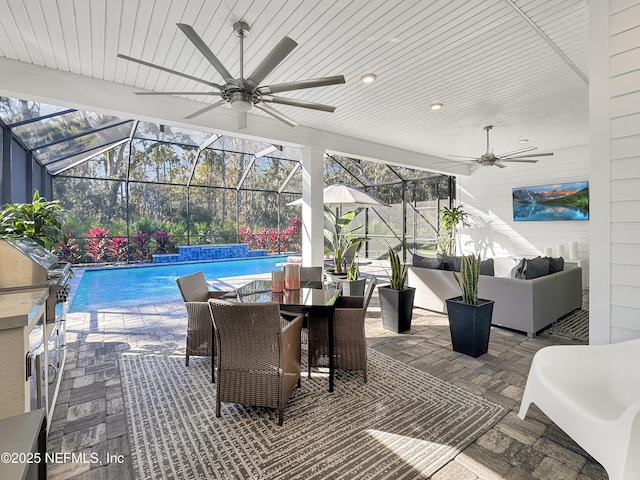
[[436, 106], [524, 140], [368, 78]]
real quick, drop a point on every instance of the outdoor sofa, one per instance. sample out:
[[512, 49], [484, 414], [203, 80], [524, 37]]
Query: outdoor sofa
[[525, 305]]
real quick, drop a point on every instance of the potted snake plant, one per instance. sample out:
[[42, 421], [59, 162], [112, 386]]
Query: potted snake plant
[[469, 316], [396, 299], [354, 285]]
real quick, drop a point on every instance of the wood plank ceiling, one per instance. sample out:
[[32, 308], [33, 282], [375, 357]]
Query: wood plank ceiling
[[520, 65]]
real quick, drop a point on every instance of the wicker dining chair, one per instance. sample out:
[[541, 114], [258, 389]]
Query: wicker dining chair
[[350, 343], [258, 359], [310, 274], [195, 294]]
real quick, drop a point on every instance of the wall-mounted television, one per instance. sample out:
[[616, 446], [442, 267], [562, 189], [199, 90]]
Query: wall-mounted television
[[560, 201]]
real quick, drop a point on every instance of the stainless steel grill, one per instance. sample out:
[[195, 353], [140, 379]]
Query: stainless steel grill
[[25, 265]]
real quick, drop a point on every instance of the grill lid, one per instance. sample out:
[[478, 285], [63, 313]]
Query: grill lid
[[36, 252], [24, 263]]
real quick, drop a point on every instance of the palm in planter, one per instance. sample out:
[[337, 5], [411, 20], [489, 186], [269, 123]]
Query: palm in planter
[[396, 299], [339, 237], [469, 316], [449, 220]]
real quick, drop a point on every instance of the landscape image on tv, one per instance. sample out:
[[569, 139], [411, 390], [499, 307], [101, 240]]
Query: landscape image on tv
[[561, 201]]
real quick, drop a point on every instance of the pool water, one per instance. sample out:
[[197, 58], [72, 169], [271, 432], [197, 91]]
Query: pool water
[[129, 286]]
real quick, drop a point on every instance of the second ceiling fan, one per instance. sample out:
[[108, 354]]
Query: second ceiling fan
[[496, 160], [241, 93]]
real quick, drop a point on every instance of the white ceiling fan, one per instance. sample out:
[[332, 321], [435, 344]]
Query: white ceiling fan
[[492, 160], [241, 93]]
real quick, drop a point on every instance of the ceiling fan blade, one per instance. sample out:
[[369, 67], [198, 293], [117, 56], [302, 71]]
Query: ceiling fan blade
[[205, 109], [518, 160], [168, 70], [315, 82], [276, 114], [463, 156], [522, 150], [206, 51], [298, 103], [271, 61], [242, 120], [177, 93], [499, 165], [532, 155]]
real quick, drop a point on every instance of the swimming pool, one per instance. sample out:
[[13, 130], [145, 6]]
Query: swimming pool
[[128, 286]]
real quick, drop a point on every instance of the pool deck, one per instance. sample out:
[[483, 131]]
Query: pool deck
[[90, 413]]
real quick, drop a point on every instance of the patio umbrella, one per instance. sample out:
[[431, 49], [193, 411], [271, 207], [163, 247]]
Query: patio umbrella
[[347, 197]]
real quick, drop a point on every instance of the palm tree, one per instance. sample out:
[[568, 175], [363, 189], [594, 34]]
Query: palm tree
[[449, 219]]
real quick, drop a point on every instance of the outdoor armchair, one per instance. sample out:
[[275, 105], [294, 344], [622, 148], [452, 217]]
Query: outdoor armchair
[[350, 342], [195, 294], [258, 358], [592, 392]]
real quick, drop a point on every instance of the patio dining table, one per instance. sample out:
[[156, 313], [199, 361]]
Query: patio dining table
[[312, 296]]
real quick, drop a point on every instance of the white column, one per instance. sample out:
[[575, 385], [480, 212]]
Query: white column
[[599, 187], [312, 206]]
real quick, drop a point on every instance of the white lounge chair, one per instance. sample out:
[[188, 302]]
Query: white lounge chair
[[592, 392]]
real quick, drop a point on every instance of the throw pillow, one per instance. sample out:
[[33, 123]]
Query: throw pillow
[[486, 267], [555, 264], [530, 268], [450, 263], [427, 262], [536, 267], [520, 269]]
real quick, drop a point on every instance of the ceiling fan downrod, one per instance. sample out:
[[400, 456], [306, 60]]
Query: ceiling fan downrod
[[487, 128], [241, 29]]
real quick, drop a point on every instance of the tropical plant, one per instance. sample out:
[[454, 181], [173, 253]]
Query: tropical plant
[[98, 244], [449, 220], [69, 250], [40, 220], [398, 276], [339, 236], [353, 272], [468, 278], [141, 242], [119, 246], [162, 239]]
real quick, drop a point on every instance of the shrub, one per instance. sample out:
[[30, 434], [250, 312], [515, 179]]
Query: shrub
[[141, 241], [119, 247], [68, 249], [162, 239], [98, 244]]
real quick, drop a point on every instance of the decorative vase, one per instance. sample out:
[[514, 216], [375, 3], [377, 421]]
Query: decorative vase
[[292, 276], [396, 307], [277, 281], [470, 325]]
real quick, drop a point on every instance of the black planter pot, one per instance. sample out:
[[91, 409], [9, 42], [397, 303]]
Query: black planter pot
[[396, 307], [354, 288], [470, 325]]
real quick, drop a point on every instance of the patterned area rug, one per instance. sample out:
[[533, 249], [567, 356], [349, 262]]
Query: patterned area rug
[[402, 424], [574, 325]]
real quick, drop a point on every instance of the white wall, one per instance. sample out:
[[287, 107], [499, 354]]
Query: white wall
[[486, 194], [615, 153]]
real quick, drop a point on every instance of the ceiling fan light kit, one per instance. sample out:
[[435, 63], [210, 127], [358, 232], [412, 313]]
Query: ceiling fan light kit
[[490, 159], [242, 94]]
